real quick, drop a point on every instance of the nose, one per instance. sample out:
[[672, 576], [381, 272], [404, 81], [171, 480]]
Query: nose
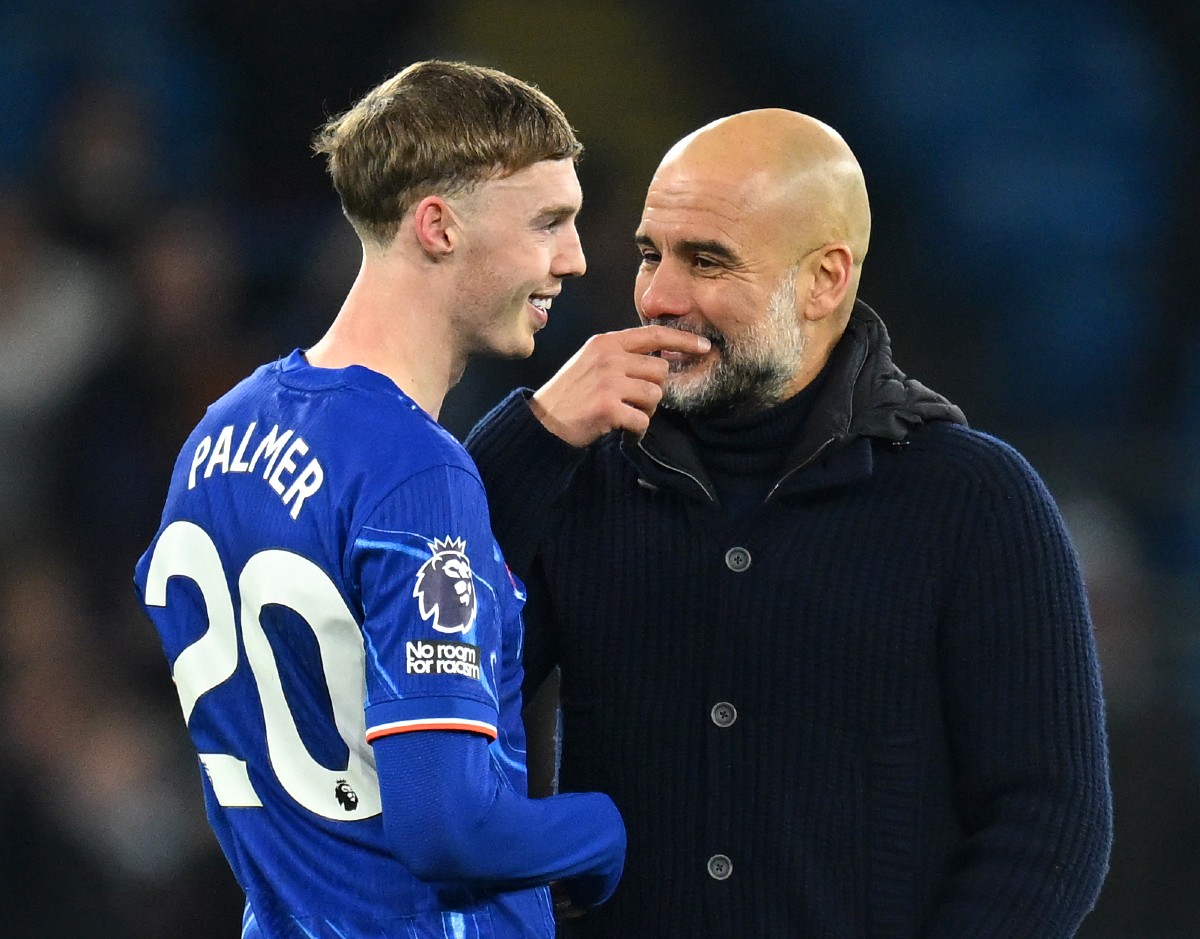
[[659, 292], [568, 258]]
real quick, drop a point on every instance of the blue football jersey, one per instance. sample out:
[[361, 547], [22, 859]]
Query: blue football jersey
[[325, 574]]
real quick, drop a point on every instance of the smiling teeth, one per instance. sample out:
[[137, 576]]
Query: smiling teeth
[[542, 303]]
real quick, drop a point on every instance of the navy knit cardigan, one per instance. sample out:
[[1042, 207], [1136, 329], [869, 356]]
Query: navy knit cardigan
[[868, 708]]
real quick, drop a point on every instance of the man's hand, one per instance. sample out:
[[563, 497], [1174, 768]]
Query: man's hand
[[613, 383]]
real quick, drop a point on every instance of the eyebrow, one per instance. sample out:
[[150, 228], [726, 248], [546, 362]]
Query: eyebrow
[[557, 213], [689, 246]]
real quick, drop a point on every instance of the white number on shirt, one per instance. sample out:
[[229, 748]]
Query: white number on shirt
[[287, 579]]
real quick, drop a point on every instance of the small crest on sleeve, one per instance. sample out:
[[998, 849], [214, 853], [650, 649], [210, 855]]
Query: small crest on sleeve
[[445, 589]]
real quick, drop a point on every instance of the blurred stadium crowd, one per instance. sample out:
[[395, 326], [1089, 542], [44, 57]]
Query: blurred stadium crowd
[[164, 229]]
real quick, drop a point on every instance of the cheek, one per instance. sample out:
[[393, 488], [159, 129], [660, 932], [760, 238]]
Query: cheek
[[739, 310], [513, 254], [535, 260]]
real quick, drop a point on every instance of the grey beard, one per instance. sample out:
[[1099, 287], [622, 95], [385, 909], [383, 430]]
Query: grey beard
[[753, 373], [733, 387]]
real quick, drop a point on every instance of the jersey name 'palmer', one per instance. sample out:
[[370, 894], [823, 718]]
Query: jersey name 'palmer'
[[276, 452]]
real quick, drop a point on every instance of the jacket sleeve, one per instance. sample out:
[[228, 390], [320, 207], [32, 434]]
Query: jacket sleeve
[[1025, 721], [450, 818], [524, 469]]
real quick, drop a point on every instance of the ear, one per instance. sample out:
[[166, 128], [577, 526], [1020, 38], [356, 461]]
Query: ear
[[831, 272], [436, 227]]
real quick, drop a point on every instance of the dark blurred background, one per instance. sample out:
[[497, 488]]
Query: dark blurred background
[[164, 228]]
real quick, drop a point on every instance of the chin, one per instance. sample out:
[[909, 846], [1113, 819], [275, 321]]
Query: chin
[[519, 347], [684, 389]]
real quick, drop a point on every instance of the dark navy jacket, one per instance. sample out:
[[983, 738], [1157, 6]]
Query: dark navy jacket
[[869, 708]]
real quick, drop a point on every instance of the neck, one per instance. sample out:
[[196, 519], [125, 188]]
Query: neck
[[392, 322]]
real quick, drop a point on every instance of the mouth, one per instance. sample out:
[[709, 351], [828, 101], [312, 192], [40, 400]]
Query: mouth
[[680, 361], [540, 302]]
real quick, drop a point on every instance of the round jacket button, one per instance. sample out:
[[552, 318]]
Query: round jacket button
[[723, 714], [737, 559], [719, 867]]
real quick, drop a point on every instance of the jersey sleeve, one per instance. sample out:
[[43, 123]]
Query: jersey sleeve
[[434, 593], [450, 817]]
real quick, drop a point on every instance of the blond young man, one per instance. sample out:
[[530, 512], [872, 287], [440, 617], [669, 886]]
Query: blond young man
[[342, 628]]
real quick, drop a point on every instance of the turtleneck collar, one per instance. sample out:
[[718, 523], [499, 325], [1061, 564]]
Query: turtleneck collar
[[742, 453], [740, 442]]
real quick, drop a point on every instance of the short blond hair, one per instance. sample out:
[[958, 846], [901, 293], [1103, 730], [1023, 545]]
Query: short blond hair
[[436, 127]]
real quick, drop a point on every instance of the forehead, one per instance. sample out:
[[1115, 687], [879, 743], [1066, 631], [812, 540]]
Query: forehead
[[549, 185], [696, 204]]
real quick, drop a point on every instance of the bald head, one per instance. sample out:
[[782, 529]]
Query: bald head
[[753, 234], [791, 168]]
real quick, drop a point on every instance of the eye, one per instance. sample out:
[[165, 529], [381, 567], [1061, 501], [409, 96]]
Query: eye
[[649, 256], [553, 221]]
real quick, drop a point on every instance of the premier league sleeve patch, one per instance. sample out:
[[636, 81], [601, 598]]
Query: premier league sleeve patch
[[445, 589], [433, 641]]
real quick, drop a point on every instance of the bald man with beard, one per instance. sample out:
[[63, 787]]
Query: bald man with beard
[[826, 646]]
